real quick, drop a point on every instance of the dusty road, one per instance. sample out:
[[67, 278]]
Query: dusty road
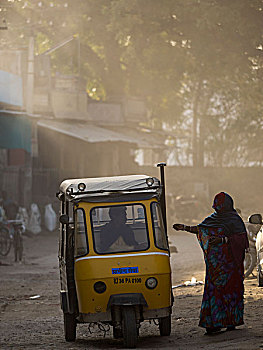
[[36, 323]]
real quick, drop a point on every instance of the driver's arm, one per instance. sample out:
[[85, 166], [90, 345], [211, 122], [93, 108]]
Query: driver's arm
[[129, 237]]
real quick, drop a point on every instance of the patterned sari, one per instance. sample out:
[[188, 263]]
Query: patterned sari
[[222, 303]]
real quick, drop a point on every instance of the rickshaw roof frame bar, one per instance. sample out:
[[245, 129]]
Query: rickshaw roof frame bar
[[116, 197], [113, 191], [108, 186], [91, 195]]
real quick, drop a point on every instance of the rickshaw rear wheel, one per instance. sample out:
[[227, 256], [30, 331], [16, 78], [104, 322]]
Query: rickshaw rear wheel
[[250, 262], [70, 326], [129, 328], [117, 333], [260, 278], [165, 326]]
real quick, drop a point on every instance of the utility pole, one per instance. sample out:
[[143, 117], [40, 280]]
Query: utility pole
[[30, 77], [78, 92], [27, 185]]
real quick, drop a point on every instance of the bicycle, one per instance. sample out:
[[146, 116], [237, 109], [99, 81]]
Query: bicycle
[[11, 232]]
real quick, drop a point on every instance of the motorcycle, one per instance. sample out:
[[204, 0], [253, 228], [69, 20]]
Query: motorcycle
[[253, 226]]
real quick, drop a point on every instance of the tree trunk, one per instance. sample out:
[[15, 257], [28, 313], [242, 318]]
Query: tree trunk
[[203, 130], [195, 122]]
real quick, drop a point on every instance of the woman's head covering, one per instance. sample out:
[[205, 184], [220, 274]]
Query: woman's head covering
[[225, 215], [223, 203]]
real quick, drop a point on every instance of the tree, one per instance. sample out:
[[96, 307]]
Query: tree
[[190, 59]]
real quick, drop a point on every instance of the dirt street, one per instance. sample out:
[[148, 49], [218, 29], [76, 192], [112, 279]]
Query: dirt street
[[30, 315]]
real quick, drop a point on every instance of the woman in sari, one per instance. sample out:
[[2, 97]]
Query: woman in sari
[[223, 239]]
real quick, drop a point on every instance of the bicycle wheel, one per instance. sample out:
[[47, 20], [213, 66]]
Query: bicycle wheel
[[5, 241]]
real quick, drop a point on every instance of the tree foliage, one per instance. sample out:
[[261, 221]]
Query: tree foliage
[[189, 59]]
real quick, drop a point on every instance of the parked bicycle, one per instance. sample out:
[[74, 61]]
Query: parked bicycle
[[11, 232]]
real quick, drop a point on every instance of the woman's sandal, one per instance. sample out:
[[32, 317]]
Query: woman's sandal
[[230, 328], [212, 330]]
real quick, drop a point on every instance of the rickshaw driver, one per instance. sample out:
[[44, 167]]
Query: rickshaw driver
[[117, 235]]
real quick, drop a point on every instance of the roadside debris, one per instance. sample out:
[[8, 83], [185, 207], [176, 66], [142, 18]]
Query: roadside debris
[[191, 283], [34, 297]]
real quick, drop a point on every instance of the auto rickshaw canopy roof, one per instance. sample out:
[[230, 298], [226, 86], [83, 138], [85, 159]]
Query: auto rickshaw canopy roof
[[76, 189]]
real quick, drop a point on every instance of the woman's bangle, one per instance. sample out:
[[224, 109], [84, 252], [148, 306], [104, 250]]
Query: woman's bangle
[[183, 227]]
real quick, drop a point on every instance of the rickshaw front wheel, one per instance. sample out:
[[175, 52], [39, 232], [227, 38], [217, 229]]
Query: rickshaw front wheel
[[165, 326], [129, 328], [70, 326]]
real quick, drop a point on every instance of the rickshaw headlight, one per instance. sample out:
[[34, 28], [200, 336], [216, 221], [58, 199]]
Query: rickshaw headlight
[[151, 282], [149, 181], [81, 186], [99, 287]]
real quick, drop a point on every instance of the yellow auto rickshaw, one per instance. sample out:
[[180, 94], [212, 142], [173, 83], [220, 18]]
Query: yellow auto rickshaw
[[113, 254]]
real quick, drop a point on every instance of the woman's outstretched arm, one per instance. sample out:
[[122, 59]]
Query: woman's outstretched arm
[[182, 227], [194, 229]]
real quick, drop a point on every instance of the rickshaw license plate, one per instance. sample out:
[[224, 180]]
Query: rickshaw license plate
[[122, 270], [123, 280]]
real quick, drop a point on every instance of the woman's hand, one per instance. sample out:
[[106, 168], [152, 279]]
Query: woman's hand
[[178, 227], [215, 240]]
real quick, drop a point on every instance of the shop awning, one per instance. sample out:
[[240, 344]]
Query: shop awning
[[92, 133]]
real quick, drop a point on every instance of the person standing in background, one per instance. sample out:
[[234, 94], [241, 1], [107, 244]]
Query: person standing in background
[[10, 207]]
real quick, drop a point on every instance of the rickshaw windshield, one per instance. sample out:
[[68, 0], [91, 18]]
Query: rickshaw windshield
[[121, 228], [158, 227]]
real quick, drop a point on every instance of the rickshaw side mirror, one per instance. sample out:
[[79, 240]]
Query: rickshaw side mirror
[[255, 219], [64, 219]]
